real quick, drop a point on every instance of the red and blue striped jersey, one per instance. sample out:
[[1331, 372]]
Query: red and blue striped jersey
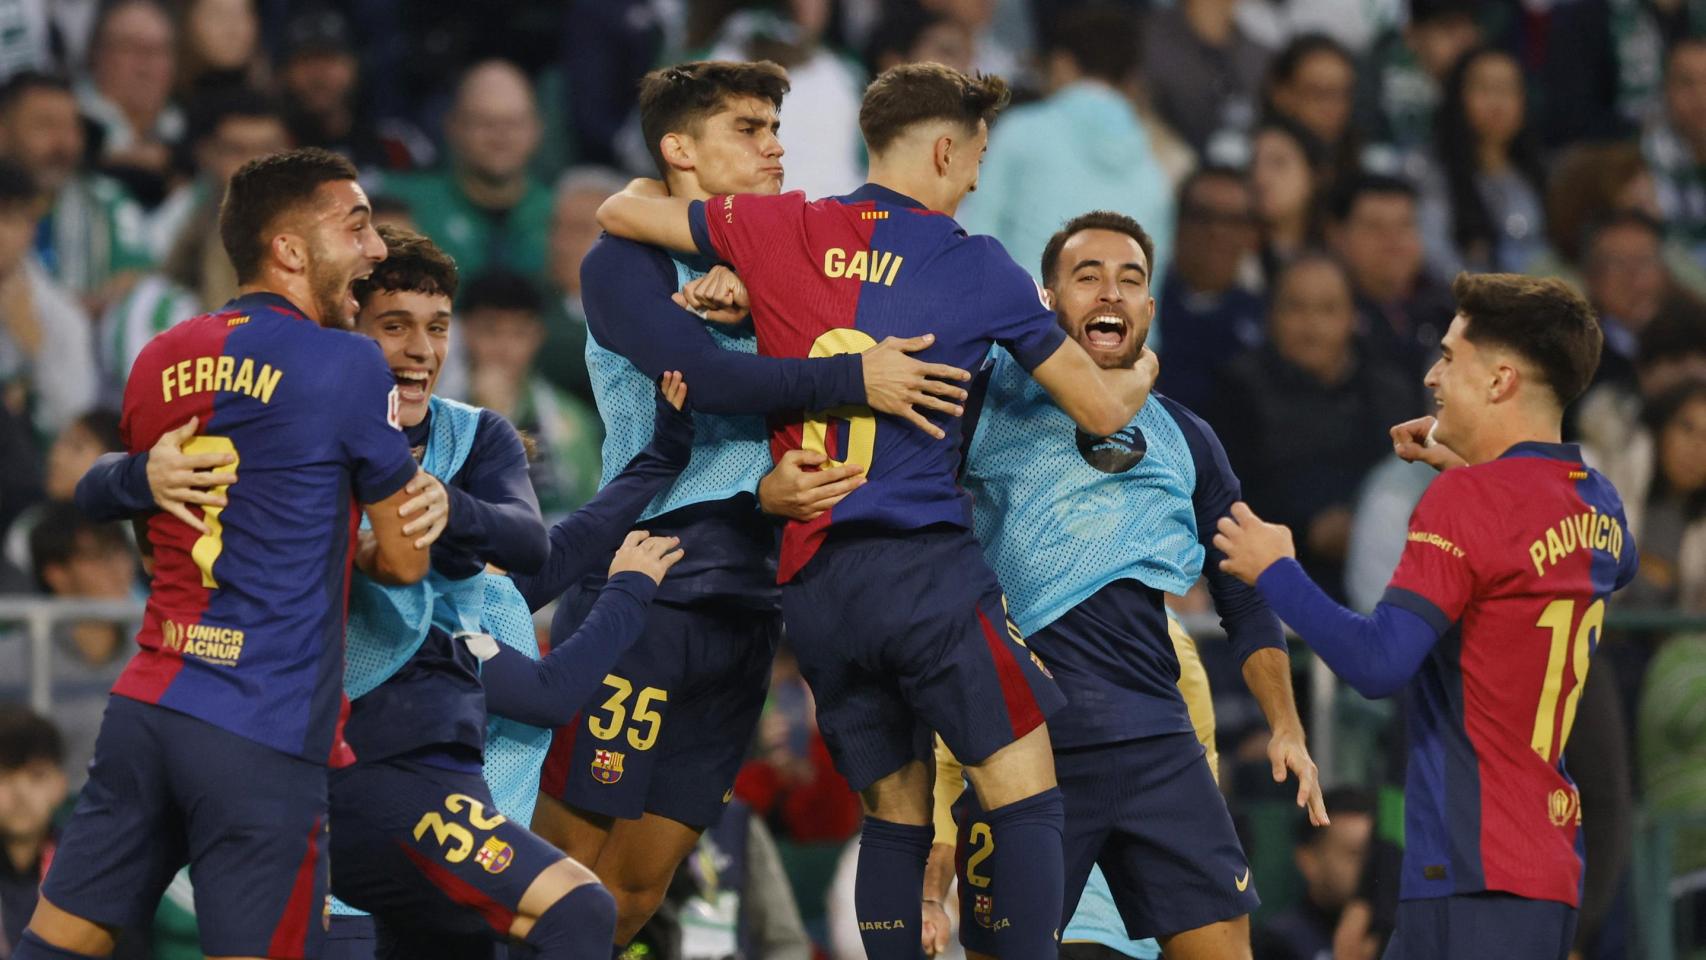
[[839, 275], [1512, 561], [244, 624]]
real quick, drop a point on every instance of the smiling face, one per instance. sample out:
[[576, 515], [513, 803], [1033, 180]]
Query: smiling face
[[1459, 380], [343, 247], [1100, 295], [736, 149], [413, 331]]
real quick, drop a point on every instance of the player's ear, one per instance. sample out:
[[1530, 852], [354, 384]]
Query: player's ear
[[943, 154], [1506, 376], [291, 251], [677, 151], [1048, 298]]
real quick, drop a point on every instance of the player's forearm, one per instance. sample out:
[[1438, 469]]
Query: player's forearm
[[115, 488], [939, 872], [583, 541], [1267, 673], [1250, 624], [659, 221], [1376, 655], [549, 692], [507, 533]]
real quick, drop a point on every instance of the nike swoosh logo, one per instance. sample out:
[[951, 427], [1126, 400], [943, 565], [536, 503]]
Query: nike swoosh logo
[[1243, 883]]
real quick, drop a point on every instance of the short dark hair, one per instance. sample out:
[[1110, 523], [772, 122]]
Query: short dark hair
[[1542, 319], [263, 190], [204, 114], [1285, 64], [1096, 220], [1342, 202], [1616, 219], [1339, 800], [25, 82], [26, 737], [412, 264], [678, 99], [914, 93], [103, 423], [1673, 334], [60, 534], [17, 187], [501, 289], [1208, 171], [1103, 39]]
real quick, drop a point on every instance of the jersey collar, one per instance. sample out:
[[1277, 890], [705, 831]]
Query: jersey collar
[[880, 194], [250, 302], [1570, 452]]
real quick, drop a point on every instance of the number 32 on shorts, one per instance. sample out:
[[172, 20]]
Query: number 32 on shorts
[[646, 721]]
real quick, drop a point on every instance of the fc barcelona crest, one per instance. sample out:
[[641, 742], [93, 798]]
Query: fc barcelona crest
[[983, 906], [607, 766], [495, 855]]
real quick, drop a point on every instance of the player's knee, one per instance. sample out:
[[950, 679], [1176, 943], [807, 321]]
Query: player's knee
[[635, 904], [1020, 770], [580, 924]]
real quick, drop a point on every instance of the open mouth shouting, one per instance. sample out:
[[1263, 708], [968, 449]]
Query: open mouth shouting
[[414, 384]]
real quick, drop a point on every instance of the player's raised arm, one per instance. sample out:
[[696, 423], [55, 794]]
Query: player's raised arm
[[644, 211], [389, 554], [1100, 401]]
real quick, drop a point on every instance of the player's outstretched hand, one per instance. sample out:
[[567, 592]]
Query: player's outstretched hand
[[178, 479], [1250, 543], [938, 929], [427, 509], [643, 553], [1286, 751], [718, 296], [900, 385], [1413, 441], [801, 487]]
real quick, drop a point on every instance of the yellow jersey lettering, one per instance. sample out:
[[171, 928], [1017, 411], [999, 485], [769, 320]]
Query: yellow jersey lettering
[[203, 374], [245, 381], [222, 373], [834, 262], [893, 271], [856, 265], [182, 369], [1435, 540], [266, 383], [168, 380], [1588, 530], [871, 266]]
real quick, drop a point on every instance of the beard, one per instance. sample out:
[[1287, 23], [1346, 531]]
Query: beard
[[329, 288]]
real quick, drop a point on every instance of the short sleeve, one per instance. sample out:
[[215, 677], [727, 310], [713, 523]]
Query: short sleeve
[[1436, 576], [1013, 304], [371, 437], [740, 229]]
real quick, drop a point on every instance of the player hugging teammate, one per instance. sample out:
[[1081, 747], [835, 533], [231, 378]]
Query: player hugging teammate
[[261, 433]]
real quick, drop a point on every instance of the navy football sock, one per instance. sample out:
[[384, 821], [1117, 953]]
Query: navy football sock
[[32, 947], [580, 926], [888, 893], [1029, 872]]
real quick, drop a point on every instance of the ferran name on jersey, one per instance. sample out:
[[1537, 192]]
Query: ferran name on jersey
[[222, 374], [607, 765]]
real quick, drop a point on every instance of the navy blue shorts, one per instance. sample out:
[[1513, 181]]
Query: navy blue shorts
[[349, 938], [1482, 926], [902, 634], [669, 729], [166, 789], [425, 851], [364, 938], [1149, 813]]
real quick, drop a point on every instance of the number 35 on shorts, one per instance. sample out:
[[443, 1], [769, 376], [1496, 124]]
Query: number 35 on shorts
[[642, 721]]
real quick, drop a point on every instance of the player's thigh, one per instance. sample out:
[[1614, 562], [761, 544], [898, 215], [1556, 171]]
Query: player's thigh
[[610, 757], [578, 833], [125, 839], [257, 846], [1221, 940], [642, 855], [713, 713], [1173, 860], [425, 848], [870, 729]]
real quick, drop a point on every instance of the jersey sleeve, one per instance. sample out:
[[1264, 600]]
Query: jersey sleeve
[[743, 229], [494, 514], [1436, 575], [1013, 306], [366, 414]]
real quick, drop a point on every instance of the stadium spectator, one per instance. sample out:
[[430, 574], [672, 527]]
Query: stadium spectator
[[220, 49], [1481, 205], [75, 449], [1286, 161], [1402, 309], [1330, 860], [1085, 147], [1675, 143], [574, 229], [1406, 68], [1203, 73], [33, 786], [75, 558], [319, 83], [820, 118], [20, 487], [484, 208], [910, 34], [1304, 418], [47, 366], [1206, 317], [1312, 82], [94, 239], [228, 128], [608, 45], [790, 780], [132, 62], [1660, 469], [989, 53], [503, 329]]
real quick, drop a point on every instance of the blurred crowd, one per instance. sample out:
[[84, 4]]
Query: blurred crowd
[[1314, 172]]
